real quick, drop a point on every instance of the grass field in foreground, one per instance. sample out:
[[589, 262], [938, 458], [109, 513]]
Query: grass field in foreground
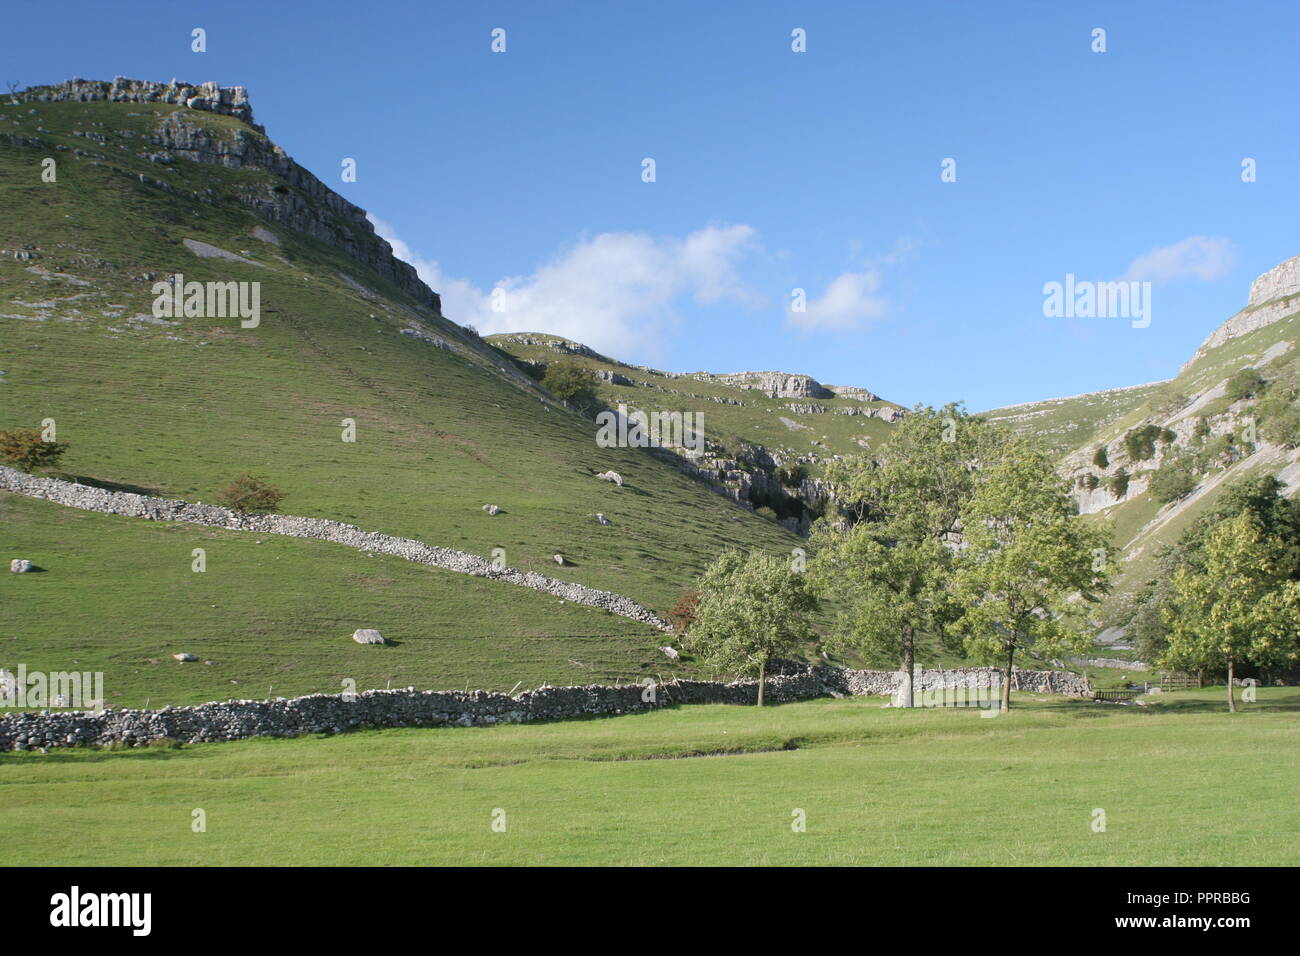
[[1181, 782]]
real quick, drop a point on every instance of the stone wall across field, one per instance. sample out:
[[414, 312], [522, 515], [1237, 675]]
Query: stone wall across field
[[89, 498], [336, 713]]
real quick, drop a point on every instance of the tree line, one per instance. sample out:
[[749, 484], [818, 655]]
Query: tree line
[[963, 532]]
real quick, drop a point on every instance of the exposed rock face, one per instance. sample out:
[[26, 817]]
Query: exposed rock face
[[333, 713], [229, 101], [1283, 279], [612, 377], [853, 392], [773, 384], [303, 202], [1273, 296]]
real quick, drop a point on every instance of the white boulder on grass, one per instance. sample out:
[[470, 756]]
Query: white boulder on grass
[[612, 476], [492, 509], [20, 565], [368, 635], [601, 519], [670, 652], [559, 559], [185, 657]]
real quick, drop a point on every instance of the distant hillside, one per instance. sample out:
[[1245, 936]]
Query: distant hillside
[[1153, 457], [154, 180], [768, 433]]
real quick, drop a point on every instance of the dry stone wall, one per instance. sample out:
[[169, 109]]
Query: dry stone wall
[[88, 498], [336, 713]]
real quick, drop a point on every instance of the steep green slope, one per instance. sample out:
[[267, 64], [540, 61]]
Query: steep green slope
[[178, 409], [1065, 424], [803, 429], [1193, 425], [274, 615]]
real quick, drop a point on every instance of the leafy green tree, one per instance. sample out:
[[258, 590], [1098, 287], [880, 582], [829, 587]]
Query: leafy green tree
[[751, 609], [1140, 442], [1246, 383], [1029, 563], [1279, 416], [571, 383], [1171, 481], [26, 450], [889, 558], [1261, 498], [1240, 606], [1101, 459]]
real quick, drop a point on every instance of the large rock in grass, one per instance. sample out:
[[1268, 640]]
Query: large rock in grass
[[185, 658], [368, 635], [20, 565]]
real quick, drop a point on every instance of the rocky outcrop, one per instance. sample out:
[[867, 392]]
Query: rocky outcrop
[[88, 498], [853, 392], [299, 201], [1281, 280], [335, 713], [228, 101], [1273, 296], [772, 384]]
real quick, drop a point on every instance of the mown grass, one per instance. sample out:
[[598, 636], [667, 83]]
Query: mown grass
[[1181, 782]]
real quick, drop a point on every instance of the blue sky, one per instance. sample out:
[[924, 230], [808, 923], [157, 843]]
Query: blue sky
[[776, 170]]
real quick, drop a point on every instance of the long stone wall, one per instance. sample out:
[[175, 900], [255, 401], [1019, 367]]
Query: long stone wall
[[88, 498], [336, 713]]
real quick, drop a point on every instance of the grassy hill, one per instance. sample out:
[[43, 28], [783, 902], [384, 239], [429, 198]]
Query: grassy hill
[[179, 409], [795, 429], [1066, 424], [1220, 437]]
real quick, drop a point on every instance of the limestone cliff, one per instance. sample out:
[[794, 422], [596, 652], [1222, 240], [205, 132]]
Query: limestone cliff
[[300, 201]]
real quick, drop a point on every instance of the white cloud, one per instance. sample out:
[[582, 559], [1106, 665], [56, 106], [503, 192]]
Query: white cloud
[[852, 298], [849, 300], [614, 291], [1196, 257]]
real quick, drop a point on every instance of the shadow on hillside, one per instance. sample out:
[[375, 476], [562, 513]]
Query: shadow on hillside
[[1219, 703], [116, 486], [1172, 704]]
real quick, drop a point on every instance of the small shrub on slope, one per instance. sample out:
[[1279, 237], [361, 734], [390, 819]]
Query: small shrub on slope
[[248, 495]]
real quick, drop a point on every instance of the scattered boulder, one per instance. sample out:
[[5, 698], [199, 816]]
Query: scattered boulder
[[20, 565], [559, 559], [670, 652], [601, 519], [185, 657], [492, 509], [368, 635], [612, 476]]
